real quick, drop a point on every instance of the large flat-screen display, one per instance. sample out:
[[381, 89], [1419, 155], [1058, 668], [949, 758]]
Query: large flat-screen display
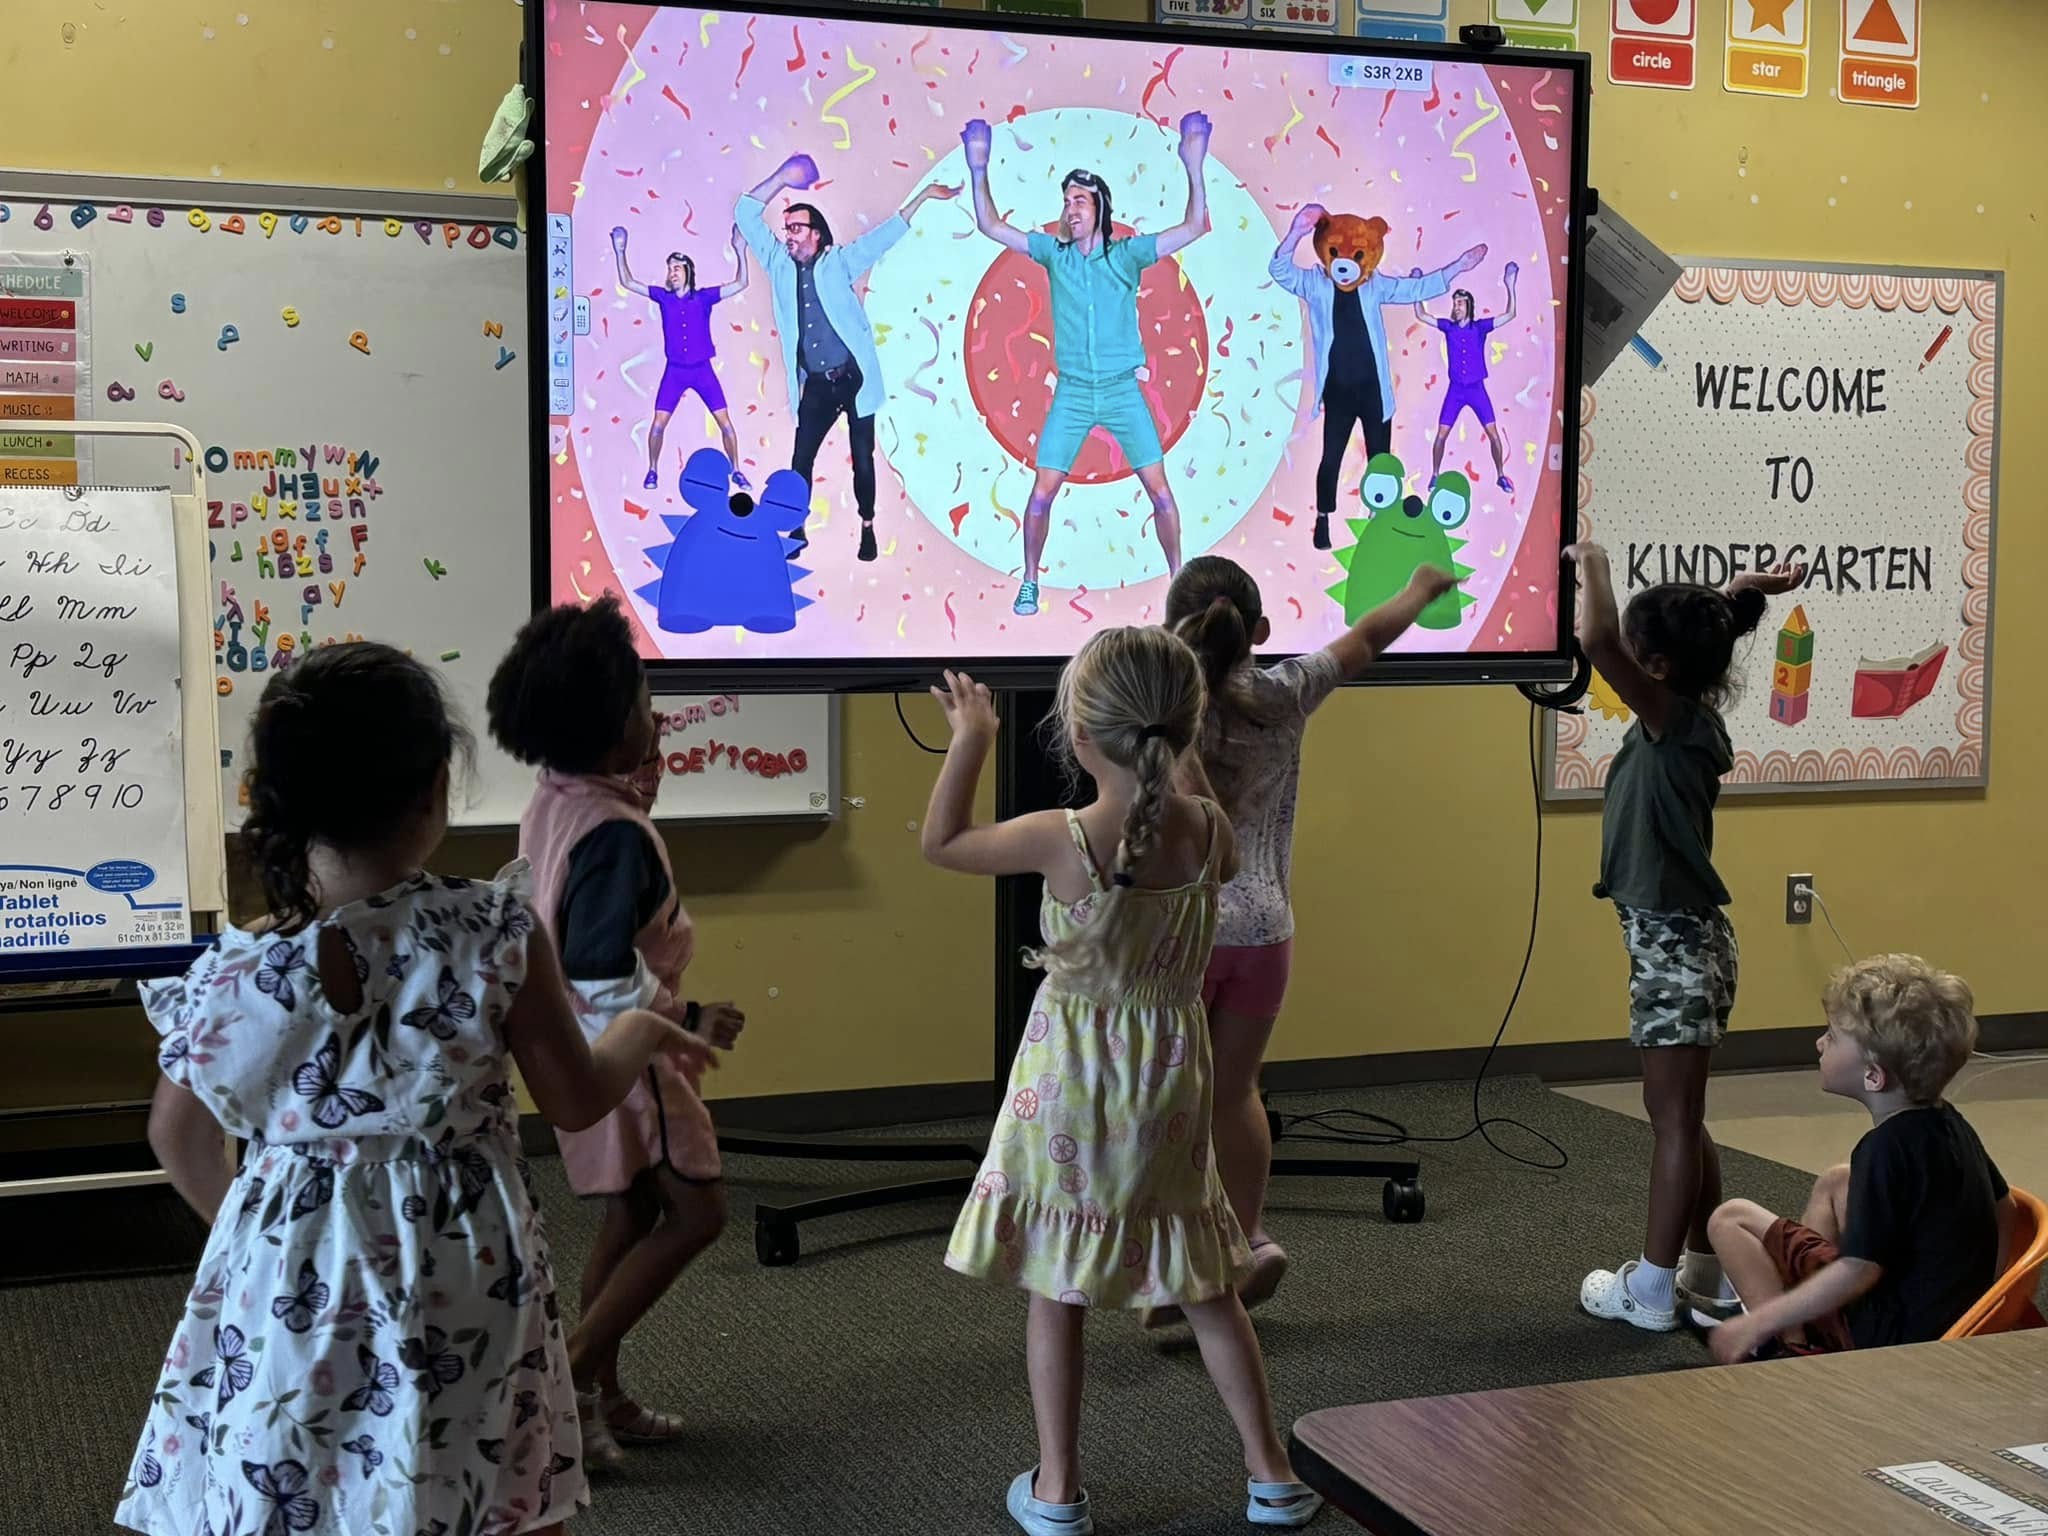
[[880, 338]]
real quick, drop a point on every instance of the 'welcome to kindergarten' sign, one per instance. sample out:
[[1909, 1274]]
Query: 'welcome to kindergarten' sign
[[1843, 421]]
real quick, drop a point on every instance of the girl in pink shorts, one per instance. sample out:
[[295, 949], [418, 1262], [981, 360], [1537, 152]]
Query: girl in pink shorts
[[1249, 760], [570, 697]]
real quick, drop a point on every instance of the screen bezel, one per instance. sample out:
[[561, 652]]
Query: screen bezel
[[893, 674]]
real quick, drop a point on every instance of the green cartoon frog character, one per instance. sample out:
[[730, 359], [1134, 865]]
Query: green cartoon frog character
[[1400, 536]]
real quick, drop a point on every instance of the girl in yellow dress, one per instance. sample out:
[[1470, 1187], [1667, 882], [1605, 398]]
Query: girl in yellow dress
[[1099, 1189]]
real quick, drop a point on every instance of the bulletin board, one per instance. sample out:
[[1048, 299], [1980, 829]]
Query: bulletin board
[[353, 365], [1845, 417]]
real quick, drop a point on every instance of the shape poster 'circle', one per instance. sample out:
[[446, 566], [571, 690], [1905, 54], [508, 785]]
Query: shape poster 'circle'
[[1210, 336]]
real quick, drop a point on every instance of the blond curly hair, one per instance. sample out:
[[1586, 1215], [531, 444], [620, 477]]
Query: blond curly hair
[[1916, 1022]]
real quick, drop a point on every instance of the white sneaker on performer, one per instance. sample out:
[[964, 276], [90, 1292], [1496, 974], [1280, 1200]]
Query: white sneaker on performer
[[1606, 1295]]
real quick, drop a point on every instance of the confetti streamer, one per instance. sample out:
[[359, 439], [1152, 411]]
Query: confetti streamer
[[1386, 107], [704, 25], [796, 38], [845, 139], [1016, 49], [899, 624], [925, 69], [1492, 112], [626, 372], [1540, 106], [1435, 98], [1324, 134], [746, 53], [1296, 602], [1223, 341], [952, 621], [1285, 519], [958, 516], [915, 387], [632, 80], [689, 213], [1286, 127], [1165, 78], [670, 92], [1074, 603]]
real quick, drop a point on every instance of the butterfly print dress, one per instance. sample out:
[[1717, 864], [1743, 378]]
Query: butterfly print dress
[[371, 1345]]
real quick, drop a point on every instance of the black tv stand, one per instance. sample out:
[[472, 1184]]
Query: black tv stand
[[1025, 781]]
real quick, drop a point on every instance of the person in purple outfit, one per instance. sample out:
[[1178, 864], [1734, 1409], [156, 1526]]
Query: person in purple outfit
[[687, 346], [1465, 351]]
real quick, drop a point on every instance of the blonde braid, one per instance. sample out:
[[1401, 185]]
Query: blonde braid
[[1147, 814], [1139, 695]]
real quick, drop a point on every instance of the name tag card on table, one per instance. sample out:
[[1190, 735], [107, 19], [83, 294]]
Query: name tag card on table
[[1968, 1499], [92, 792]]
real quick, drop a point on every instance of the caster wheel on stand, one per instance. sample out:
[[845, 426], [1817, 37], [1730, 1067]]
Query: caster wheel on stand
[[775, 1243], [1402, 1202]]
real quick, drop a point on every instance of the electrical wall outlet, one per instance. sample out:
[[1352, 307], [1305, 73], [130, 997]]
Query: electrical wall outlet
[[1798, 903]]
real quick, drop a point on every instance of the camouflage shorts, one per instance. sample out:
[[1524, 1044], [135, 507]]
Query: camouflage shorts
[[1681, 975]]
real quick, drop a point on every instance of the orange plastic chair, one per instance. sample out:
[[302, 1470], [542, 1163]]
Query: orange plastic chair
[[2009, 1304]]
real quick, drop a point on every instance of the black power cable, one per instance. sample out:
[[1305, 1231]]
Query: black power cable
[[1332, 1122], [904, 721]]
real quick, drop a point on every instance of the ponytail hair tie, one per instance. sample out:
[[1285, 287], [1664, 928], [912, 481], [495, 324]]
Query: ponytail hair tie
[[1123, 878], [1150, 732]]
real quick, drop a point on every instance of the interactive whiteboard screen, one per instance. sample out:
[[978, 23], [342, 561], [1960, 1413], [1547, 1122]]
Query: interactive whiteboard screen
[[875, 342]]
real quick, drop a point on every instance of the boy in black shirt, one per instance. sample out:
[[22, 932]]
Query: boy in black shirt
[[1896, 1246]]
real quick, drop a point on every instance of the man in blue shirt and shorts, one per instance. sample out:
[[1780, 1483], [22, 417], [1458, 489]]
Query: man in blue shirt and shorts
[[1096, 345]]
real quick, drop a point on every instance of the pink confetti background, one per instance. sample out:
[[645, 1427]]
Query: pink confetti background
[[659, 119]]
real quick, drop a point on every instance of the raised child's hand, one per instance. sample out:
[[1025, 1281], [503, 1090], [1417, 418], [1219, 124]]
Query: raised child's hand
[[1472, 258], [1194, 136], [1585, 553], [1782, 577], [619, 237], [799, 171], [1432, 581], [970, 708], [1306, 217]]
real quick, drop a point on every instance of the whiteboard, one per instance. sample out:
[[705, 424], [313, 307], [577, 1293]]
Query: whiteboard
[[434, 287], [443, 424], [1846, 417]]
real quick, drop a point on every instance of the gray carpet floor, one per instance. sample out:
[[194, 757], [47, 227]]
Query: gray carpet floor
[[868, 1389]]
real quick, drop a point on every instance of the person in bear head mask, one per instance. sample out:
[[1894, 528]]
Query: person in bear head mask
[[1344, 293]]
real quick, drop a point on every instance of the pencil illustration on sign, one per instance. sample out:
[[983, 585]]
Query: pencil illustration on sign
[[1792, 672]]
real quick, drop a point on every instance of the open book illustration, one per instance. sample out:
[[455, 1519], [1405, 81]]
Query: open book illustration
[[1885, 690]]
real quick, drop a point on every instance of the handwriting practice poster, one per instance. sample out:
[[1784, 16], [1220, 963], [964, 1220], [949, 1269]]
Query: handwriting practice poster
[[1843, 419], [92, 787]]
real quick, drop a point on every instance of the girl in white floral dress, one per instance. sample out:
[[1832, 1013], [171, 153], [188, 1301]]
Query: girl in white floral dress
[[1098, 1189], [371, 1346]]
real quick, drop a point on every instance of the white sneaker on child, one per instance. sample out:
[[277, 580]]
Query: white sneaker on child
[[1605, 1294], [1703, 1292]]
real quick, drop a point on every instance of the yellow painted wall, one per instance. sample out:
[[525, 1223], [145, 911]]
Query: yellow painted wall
[[1413, 858]]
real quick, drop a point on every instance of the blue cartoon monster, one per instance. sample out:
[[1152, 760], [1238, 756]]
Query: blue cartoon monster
[[730, 564]]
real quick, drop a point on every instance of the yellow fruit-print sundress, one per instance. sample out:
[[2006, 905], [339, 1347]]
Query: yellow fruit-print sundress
[[1099, 1188]]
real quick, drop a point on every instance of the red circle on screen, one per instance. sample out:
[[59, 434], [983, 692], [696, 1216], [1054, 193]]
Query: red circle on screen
[[1009, 355], [1654, 13]]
